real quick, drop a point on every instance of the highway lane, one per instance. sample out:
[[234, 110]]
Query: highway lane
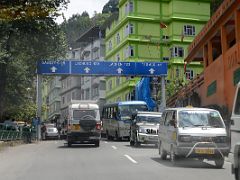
[[112, 160]]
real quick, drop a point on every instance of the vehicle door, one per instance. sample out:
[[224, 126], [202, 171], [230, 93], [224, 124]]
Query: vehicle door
[[170, 130], [163, 128]]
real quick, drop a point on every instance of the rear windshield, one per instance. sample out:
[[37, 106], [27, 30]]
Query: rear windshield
[[79, 114], [200, 118], [149, 119]]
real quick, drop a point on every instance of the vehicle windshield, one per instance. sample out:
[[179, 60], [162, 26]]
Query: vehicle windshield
[[79, 114], [200, 118], [149, 119], [129, 110]]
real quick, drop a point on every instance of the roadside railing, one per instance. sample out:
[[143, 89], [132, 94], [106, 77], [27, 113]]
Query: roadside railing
[[8, 135]]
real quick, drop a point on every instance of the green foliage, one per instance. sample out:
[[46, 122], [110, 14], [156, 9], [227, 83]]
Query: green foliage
[[75, 26], [111, 7], [26, 37]]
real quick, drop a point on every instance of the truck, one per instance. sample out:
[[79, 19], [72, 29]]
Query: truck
[[83, 123], [234, 155]]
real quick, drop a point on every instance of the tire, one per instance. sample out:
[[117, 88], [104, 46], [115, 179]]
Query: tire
[[219, 162], [237, 171], [97, 143], [162, 152]]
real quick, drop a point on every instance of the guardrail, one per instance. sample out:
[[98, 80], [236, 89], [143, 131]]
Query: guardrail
[[8, 135]]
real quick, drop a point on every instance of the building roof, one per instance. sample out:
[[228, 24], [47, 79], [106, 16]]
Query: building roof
[[208, 29], [91, 34]]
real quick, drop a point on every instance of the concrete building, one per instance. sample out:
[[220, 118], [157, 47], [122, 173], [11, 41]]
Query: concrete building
[[75, 88], [154, 30]]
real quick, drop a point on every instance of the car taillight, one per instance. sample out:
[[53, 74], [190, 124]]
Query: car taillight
[[98, 126]]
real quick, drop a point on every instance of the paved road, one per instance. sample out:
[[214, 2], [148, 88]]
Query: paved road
[[51, 160]]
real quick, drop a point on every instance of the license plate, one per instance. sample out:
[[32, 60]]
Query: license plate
[[76, 127], [204, 151]]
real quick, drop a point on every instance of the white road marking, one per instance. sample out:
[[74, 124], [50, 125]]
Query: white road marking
[[131, 159], [114, 147], [106, 142]]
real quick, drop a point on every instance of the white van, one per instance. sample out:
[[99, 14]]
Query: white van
[[193, 133]]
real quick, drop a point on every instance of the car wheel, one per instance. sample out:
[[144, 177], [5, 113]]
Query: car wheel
[[219, 162], [162, 152], [97, 143], [237, 171]]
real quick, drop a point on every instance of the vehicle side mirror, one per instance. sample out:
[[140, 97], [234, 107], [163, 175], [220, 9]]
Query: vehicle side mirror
[[232, 122]]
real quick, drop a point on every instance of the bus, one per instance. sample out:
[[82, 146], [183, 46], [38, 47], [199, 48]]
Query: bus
[[116, 118]]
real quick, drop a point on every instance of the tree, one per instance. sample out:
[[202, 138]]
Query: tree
[[28, 33], [111, 7]]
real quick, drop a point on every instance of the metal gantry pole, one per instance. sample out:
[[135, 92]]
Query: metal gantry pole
[[163, 95], [39, 103]]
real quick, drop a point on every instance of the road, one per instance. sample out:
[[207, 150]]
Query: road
[[51, 160]]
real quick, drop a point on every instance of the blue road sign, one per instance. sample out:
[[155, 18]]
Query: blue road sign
[[103, 68], [51, 67]]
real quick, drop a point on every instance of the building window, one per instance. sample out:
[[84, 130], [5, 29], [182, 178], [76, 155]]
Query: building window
[[129, 7], [73, 95], [212, 88], [166, 58], [118, 38], [129, 29], [189, 30], [177, 72], [87, 94], [63, 100], [189, 74], [110, 45], [129, 52], [110, 85], [118, 80], [118, 57], [177, 52], [95, 91], [118, 99]]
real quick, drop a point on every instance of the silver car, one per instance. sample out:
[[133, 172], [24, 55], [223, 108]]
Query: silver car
[[193, 133], [144, 128]]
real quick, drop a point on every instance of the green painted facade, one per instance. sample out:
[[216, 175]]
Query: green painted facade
[[153, 30]]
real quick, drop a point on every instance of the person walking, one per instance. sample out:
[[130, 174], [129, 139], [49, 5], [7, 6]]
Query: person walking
[[27, 133]]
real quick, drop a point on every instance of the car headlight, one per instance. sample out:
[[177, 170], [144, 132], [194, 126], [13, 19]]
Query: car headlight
[[142, 130], [185, 138], [221, 139]]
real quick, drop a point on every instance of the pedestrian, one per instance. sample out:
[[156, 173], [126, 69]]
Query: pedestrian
[[43, 131], [27, 133]]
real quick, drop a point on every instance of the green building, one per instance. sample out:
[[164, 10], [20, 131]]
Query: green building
[[153, 30]]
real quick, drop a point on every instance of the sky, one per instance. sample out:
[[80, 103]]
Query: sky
[[79, 6]]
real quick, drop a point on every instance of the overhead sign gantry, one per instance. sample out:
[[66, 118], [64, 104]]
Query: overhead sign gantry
[[103, 68]]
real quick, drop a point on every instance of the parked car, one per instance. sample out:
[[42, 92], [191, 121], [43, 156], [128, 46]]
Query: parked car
[[193, 133], [144, 128], [51, 132]]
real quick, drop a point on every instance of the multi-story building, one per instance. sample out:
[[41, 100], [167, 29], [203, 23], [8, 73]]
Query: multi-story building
[[76, 88], [54, 100], [93, 88], [154, 30]]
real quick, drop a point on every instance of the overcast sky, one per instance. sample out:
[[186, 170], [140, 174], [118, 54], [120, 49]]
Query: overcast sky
[[79, 6]]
